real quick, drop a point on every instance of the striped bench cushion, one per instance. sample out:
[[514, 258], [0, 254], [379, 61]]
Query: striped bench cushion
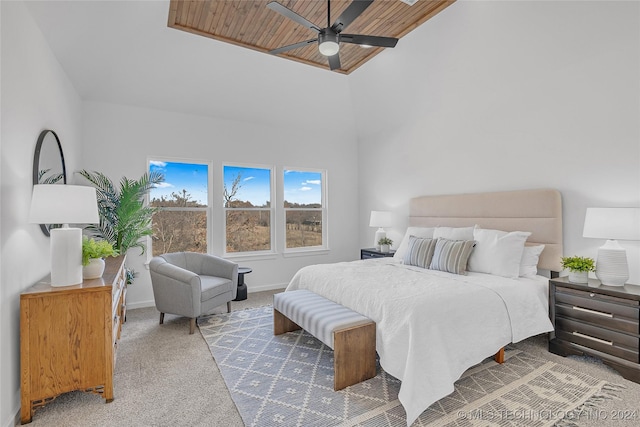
[[316, 314]]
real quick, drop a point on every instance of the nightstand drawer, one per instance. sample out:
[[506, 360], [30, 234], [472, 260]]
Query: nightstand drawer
[[600, 303], [598, 317], [365, 255], [604, 340]]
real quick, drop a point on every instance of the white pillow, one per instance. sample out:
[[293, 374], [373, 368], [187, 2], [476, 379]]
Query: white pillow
[[529, 260], [454, 233], [424, 232], [498, 252]]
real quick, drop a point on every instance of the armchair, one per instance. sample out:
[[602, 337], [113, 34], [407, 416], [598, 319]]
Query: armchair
[[191, 284]]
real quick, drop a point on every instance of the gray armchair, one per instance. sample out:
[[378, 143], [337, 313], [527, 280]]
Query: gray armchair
[[192, 284]]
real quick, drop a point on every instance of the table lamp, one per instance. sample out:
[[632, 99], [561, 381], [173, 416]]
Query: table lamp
[[612, 224], [64, 204], [380, 219]]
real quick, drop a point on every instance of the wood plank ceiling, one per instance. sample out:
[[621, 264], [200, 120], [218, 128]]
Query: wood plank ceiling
[[249, 23]]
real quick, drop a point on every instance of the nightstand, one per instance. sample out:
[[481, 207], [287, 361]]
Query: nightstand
[[597, 320], [369, 253]]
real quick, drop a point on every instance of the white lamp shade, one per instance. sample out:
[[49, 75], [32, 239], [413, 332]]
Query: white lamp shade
[[63, 204], [381, 219], [612, 223]]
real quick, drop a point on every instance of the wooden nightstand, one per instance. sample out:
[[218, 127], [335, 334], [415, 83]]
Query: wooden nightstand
[[369, 253], [598, 320]]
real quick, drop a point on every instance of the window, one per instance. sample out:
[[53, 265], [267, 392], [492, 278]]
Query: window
[[180, 224], [248, 211], [304, 209]]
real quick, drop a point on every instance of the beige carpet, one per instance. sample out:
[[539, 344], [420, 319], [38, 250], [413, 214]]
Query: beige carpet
[[166, 377]]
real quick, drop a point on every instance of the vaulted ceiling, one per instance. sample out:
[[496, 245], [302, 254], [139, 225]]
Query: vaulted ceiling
[[251, 24]]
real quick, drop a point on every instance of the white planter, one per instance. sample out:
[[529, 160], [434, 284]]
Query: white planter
[[384, 248], [94, 270], [578, 276]]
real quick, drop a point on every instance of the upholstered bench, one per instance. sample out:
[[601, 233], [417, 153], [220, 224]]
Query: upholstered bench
[[350, 335]]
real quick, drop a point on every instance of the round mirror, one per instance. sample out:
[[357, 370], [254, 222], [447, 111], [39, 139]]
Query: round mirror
[[48, 165]]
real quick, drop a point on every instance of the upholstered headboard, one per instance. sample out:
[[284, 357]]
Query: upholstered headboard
[[537, 211]]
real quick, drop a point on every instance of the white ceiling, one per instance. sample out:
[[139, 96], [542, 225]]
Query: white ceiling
[[123, 52]]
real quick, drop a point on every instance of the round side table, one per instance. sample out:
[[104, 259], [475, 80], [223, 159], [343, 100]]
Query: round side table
[[242, 288]]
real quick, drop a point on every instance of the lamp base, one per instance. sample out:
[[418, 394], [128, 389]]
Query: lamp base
[[611, 265], [66, 256], [380, 234]]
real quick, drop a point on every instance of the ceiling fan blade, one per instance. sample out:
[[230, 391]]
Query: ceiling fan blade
[[350, 14], [376, 41], [334, 62], [277, 7], [292, 46]]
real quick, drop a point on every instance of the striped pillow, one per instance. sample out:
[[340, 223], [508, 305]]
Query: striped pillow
[[452, 255], [419, 251]]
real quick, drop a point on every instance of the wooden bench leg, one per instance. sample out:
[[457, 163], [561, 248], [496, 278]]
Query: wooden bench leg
[[499, 357], [282, 324], [354, 355]]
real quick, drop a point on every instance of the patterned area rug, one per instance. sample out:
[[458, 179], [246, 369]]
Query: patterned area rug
[[287, 380]]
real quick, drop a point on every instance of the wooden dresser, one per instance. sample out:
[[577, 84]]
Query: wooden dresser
[[69, 336], [598, 320]]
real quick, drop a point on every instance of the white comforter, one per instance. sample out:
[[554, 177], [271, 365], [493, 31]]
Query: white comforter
[[431, 326]]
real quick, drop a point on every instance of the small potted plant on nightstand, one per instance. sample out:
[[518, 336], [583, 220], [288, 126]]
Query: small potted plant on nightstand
[[93, 253], [385, 244], [579, 268]]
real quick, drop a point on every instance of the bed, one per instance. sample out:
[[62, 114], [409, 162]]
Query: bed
[[432, 325]]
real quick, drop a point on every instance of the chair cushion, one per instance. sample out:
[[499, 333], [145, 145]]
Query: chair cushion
[[213, 286]]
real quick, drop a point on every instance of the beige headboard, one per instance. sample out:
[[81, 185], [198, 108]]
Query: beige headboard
[[537, 211]]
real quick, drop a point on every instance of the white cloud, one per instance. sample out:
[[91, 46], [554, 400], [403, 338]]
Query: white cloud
[[164, 185], [158, 163], [305, 188], [312, 182], [249, 178]]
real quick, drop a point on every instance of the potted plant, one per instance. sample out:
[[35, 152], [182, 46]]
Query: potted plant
[[385, 243], [579, 268], [125, 218], [93, 254]]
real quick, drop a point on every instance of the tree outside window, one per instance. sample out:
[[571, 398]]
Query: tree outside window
[[248, 211], [182, 201], [304, 208]]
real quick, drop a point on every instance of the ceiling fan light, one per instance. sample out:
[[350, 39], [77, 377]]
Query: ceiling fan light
[[328, 44], [329, 48]]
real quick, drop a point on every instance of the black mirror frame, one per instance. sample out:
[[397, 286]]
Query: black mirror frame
[[36, 165]]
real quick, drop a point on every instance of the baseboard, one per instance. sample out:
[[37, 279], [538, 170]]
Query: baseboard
[[251, 289]]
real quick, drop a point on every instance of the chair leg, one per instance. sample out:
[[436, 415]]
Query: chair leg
[[228, 306], [192, 325], [161, 318]]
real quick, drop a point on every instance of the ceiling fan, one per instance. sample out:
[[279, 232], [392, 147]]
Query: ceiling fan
[[329, 38]]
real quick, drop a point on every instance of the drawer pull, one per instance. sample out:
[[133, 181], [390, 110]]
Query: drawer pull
[[589, 337], [599, 313]]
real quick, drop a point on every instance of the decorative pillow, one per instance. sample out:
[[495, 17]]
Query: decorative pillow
[[498, 252], [454, 233], [452, 255], [529, 260], [419, 251], [412, 231]]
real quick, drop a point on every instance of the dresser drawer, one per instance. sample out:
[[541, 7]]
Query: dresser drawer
[[604, 340], [619, 307]]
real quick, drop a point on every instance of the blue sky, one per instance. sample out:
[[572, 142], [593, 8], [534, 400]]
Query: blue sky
[[178, 176], [255, 183], [302, 187], [299, 186]]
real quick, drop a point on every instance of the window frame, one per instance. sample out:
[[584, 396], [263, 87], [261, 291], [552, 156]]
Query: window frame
[[271, 209], [208, 209], [300, 251]]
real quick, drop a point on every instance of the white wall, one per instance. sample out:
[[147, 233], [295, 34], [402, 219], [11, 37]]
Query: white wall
[[36, 94], [492, 96], [119, 139]]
